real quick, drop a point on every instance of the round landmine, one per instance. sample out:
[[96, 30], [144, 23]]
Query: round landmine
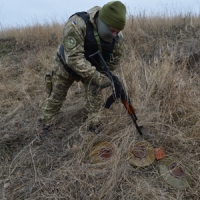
[[176, 170], [102, 152], [141, 154], [174, 173]]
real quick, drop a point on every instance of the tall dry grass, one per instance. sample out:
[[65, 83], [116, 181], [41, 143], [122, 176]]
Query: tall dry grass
[[160, 72]]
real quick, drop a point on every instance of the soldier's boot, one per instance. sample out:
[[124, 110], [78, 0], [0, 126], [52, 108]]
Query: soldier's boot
[[48, 118], [94, 123], [45, 132]]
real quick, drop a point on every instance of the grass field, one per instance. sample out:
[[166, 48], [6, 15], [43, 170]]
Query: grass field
[[161, 74]]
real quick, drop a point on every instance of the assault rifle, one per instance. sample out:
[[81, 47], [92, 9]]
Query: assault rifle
[[118, 90]]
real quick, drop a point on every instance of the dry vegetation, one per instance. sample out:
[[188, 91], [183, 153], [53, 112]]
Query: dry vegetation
[[160, 71]]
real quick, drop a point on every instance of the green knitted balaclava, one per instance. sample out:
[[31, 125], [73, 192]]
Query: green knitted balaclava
[[114, 14]]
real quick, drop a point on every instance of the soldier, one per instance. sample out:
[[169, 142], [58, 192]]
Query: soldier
[[84, 34]]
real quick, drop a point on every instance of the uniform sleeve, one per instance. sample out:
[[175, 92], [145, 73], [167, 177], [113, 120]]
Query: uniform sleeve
[[74, 33], [117, 53]]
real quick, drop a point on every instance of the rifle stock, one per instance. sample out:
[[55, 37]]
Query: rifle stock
[[118, 90]]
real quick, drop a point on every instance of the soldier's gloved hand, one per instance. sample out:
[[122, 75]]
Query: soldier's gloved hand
[[105, 82]]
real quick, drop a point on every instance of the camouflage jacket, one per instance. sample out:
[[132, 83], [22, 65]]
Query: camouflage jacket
[[73, 41]]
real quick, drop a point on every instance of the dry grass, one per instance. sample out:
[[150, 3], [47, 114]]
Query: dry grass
[[160, 72]]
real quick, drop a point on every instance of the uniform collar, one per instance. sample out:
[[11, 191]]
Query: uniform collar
[[93, 13]]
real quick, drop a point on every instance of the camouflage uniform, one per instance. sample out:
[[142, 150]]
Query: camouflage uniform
[[73, 41]]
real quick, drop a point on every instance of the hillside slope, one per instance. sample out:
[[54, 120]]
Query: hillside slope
[[160, 72]]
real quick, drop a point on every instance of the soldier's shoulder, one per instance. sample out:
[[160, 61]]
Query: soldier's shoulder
[[75, 26], [77, 21]]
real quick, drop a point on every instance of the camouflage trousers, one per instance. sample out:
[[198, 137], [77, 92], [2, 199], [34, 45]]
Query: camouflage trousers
[[61, 82]]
